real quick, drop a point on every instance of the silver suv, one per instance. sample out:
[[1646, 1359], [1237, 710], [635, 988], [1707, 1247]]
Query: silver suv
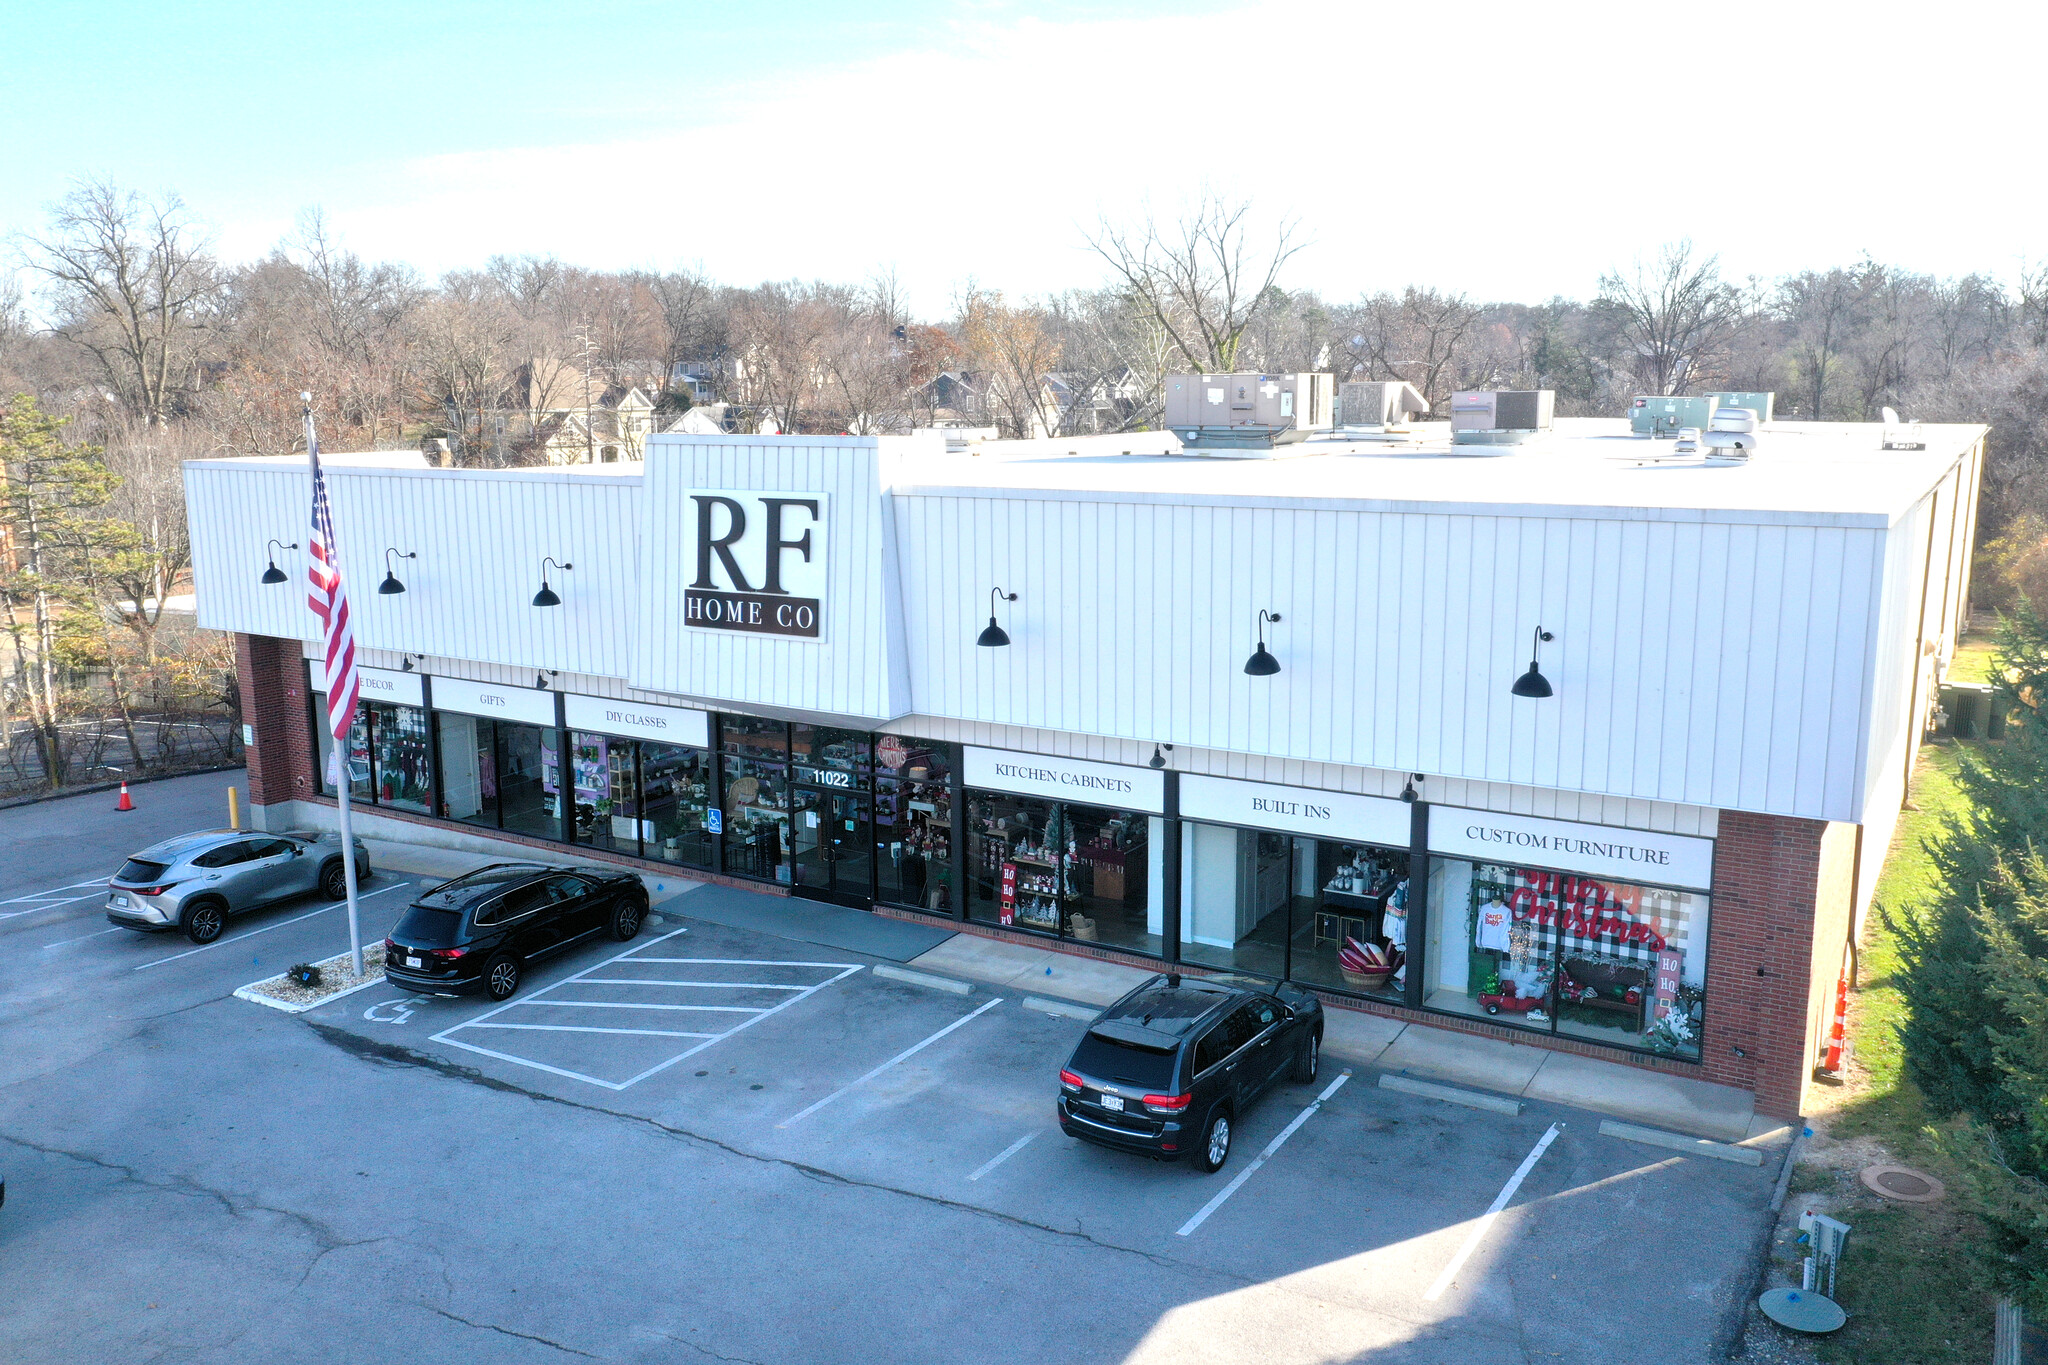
[[195, 881]]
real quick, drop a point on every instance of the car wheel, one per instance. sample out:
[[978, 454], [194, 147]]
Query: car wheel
[[204, 920], [1308, 1059], [627, 917], [334, 881], [501, 977], [1215, 1148]]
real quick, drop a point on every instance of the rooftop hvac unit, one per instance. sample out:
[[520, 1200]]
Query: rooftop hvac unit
[[1501, 417], [1660, 416], [1758, 403], [1386, 405], [1246, 412]]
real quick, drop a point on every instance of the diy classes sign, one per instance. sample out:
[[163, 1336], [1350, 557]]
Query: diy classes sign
[[1297, 810], [1623, 855], [1066, 779], [757, 562], [663, 724]]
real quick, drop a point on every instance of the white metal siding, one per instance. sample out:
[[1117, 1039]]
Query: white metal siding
[[1703, 664]]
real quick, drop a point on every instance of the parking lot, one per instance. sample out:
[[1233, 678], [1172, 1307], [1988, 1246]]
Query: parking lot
[[756, 1148]]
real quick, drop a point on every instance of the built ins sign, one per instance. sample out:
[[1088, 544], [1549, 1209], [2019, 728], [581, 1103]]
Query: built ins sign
[[757, 562]]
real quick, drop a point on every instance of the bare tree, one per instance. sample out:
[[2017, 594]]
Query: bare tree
[[1201, 280], [1673, 317], [1012, 351], [1820, 308], [134, 285]]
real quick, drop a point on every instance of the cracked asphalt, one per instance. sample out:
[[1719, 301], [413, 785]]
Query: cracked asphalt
[[194, 1178]]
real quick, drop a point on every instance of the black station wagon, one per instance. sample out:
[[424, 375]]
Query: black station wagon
[[479, 931], [1168, 1069]]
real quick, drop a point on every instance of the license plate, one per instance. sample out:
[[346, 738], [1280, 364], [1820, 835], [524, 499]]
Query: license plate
[[1113, 1103], [412, 962], [122, 900]]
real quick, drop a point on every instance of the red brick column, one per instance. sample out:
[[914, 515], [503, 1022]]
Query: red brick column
[[1760, 957], [272, 674]]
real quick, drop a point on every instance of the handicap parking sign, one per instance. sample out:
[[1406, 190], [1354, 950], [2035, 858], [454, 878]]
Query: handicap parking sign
[[715, 820]]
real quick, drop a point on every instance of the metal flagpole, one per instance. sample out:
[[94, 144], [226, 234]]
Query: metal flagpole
[[344, 778]]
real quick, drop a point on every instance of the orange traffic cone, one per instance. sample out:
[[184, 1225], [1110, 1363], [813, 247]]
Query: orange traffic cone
[[124, 803], [1833, 1064]]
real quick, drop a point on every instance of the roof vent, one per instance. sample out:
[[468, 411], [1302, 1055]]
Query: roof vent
[[1246, 415], [1386, 405]]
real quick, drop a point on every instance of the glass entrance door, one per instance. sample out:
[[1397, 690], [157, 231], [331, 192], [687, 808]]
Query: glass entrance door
[[835, 846]]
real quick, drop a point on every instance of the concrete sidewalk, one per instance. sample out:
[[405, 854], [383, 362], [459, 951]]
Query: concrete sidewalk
[[1656, 1098]]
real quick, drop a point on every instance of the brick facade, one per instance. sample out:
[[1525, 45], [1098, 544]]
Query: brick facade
[[272, 675]]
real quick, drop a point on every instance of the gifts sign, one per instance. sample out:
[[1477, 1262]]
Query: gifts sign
[[1669, 966], [1009, 907]]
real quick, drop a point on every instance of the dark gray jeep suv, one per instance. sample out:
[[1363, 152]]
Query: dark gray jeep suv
[[1167, 1070]]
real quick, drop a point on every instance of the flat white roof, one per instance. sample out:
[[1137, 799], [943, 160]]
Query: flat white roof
[[1807, 473]]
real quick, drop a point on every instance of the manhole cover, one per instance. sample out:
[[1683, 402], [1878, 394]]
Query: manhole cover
[[1902, 1184], [1802, 1310]]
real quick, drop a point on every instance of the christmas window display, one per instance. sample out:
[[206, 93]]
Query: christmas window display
[[1572, 954]]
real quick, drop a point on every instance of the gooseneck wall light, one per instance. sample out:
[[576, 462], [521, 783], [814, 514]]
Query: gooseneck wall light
[[544, 676], [1408, 792], [391, 584], [273, 574], [1158, 760], [547, 596], [1262, 664], [994, 636], [1533, 683]]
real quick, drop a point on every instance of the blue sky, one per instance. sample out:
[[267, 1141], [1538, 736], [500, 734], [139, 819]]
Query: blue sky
[[1505, 149]]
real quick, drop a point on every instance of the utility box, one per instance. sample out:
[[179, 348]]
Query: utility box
[[1660, 416], [1388, 404], [1247, 412], [1758, 403], [1501, 416]]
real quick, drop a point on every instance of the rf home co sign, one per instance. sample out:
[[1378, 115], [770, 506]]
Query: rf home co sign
[[757, 562]]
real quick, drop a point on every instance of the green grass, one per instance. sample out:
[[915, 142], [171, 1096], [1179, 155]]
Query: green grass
[[1972, 663], [1914, 1295]]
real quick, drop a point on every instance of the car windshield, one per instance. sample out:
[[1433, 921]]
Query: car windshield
[[139, 870], [426, 927], [1115, 1060]]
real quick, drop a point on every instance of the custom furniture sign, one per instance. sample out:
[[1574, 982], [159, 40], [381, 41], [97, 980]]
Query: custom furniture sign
[[1297, 810], [1066, 779], [1624, 855], [663, 724], [523, 704], [757, 562]]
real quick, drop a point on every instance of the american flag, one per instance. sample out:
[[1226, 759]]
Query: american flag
[[329, 601]]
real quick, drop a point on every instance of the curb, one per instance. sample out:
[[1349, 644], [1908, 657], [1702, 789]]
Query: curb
[[922, 979], [256, 997], [1065, 1009], [1678, 1142], [1471, 1099]]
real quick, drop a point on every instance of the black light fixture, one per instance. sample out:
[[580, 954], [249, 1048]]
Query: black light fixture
[[994, 636], [407, 662], [273, 574], [1158, 760], [546, 597], [543, 677], [391, 584], [1262, 664], [1408, 792], [1533, 683]]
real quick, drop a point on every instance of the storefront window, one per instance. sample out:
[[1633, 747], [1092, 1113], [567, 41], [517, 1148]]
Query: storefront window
[[528, 787], [914, 824], [676, 795], [1322, 912], [756, 819], [389, 762], [826, 756], [469, 768], [752, 737], [1604, 961], [607, 792], [1079, 871]]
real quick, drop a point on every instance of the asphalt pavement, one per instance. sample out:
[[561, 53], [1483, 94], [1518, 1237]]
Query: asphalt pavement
[[723, 1144]]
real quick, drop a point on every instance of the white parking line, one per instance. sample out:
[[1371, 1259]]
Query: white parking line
[[907, 1052], [754, 1014], [83, 937], [1260, 1160], [51, 899], [1019, 1145], [223, 942], [1500, 1201]]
